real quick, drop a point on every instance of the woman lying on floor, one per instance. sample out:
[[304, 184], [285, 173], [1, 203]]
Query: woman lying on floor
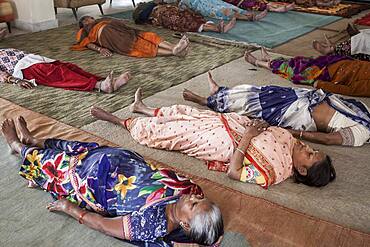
[[332, 73], [253, 152], [220, 10], [116, 191], [261, 5], [172, 17], [356, 47], [308, 114], [109, 35], [27, 70]]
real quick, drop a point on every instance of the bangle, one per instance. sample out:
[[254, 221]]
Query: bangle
[[300, 134], [241, 151], [82, 214]]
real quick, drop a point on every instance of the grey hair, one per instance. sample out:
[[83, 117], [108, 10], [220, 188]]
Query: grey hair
[[206, 228]]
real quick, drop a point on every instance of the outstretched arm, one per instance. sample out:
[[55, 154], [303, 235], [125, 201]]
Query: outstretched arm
[[110, 226], [8, 78], [334, 138]]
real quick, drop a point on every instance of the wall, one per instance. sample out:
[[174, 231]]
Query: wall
[[35, 15]]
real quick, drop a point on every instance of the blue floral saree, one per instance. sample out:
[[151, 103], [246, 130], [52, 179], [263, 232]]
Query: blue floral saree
[[110, 181]]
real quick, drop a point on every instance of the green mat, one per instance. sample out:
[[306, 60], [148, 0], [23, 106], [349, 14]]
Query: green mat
[[154, 74]]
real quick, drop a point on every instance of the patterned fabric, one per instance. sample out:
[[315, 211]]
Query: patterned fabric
[[259, 5], [212, 8], [250, 173], [9, 58], [171, 17], [344, 49], [305, 70], [108, 180], [212, 137], [283, 106]]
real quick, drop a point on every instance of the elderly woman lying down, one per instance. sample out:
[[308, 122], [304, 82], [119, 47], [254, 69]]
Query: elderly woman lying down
[[251, 150], [27, 70], [116, 191], [309, 114], [332, 73]]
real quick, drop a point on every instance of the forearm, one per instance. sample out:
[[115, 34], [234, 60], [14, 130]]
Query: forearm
[[320, 137], [236, 162], [94, 47], [109, 226]]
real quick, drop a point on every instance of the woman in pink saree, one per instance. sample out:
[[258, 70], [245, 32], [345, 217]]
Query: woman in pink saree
[[248, 150]]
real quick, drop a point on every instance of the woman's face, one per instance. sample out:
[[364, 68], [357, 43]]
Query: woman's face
[[305, 157], [190, 205], [88, 21]]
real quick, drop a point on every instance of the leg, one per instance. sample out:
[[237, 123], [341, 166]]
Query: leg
[[190, 96], [110, 84], [10, 134], [139, 107], [164, 52], [105, 116], [253, 60], [25, 135], [322, 48], [213, 86], [2, 33], [111, 2], [9, 27], [101, 9], [75, 13], [264, 55], [221, 27]]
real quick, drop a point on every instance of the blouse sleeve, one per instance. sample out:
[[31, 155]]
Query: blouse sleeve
[[146, 225], [250, 174], [356, 135]]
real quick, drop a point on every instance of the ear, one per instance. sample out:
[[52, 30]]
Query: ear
[[302, 170], [185, 226]]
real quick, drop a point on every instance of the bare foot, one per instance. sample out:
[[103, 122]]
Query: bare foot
[[264, 55], [121, 80], [181, 46], [260, 15], [213, 87], [2, 33], [101, 114], [323, 49], [250, 58], [190, 96], [106, 85], [138, 103], [290, 6], [10, 134], [25, 135], [229, 25]]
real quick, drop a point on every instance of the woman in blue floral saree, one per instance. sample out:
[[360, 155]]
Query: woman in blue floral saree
[[116, 191]]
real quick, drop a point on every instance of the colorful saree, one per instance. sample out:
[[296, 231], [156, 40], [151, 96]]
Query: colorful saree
[[110, 181], [213, 137], [284, 106], [305, 70], [171, 17], [212, 8]]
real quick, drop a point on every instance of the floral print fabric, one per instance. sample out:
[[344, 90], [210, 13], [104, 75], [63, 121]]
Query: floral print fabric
[[118, 181]]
